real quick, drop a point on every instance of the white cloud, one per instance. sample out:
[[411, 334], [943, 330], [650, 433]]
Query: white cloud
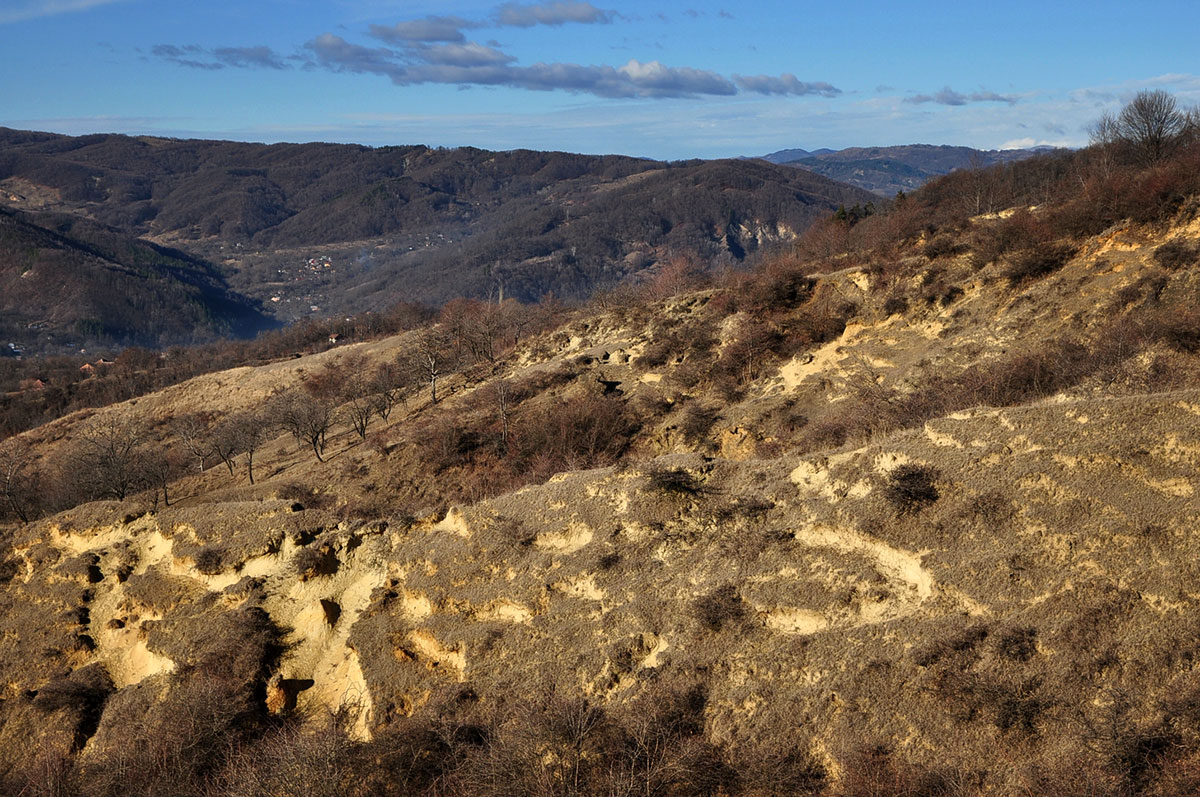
[[1029, 141]]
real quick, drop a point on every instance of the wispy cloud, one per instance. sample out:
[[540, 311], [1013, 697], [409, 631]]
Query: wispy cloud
[[20, 10], [196, 57], [436, 50], [429, 29], [1184, 86], [948, 96], [556, 12], [633, 79], [785, 84]]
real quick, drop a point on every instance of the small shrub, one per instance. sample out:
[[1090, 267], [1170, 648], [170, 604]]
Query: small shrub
[[719, 608], [1176, 255], [941, 293], [875, 771], [1019, 231], [210, 560], [991, 507], [1179, 329], [318, 559], [1018, 644], [1016, 707], [676, 481], [895, 304], [942, 246], [696, 421], [1038, 261], [962, 641], [911, 487], [751, 506]]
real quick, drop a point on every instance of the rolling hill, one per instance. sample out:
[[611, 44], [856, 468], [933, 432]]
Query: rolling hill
[[66, 283], [347, 228], [914, 517]]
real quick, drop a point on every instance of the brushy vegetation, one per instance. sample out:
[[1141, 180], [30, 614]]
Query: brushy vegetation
[[455, 420]]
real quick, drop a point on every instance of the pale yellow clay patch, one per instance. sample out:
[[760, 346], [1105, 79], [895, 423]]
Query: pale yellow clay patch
[[901, 565], [126, 657], [429, 649], [1180, 488], [583, 586], [571, 539], [455, 523], [342, 687], [504, 611], [819, 361], [795, 621], [814, 479], [416, 605], [654, 657], [940, 439]]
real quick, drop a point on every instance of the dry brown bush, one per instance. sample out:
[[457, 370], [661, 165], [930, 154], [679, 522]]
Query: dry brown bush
[[1038, 261], [875, 771], [721, 608], [1175, 255]]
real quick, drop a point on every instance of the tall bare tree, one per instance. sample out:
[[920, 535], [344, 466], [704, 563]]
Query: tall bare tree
[[1150, 126], [433, 355], [194, 432], [107, 460], [241, 433], [19, 478], [305, 417], [389, 384]]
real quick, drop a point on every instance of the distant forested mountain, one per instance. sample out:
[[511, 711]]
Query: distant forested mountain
[[66, 281], [344, 228], [886, 170]]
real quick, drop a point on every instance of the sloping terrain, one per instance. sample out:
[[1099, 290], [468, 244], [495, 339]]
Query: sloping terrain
[[916, 525], [349, 228], [66, 282]]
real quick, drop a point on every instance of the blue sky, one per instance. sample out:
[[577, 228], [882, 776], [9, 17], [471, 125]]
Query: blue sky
[[665, 80]]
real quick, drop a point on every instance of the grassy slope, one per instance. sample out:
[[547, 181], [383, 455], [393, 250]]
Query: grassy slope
[[1034, 621]]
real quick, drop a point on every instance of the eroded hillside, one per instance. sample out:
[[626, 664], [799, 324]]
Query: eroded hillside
[[921, 524]]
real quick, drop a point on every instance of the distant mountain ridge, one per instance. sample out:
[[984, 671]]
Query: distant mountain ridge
[[785, 156], [887, 170], [413, 222]]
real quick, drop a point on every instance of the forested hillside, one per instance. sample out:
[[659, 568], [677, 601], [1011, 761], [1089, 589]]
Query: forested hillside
[[67, 282], [347, 228]]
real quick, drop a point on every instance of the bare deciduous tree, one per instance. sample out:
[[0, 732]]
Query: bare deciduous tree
[[357, 392], [225, 441], [107, 460], [19, 478], [242, 433], [1150, 126], [389, 385], [502, 392], [193, 431], [305, 417], [434, 353], [161, 466]]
